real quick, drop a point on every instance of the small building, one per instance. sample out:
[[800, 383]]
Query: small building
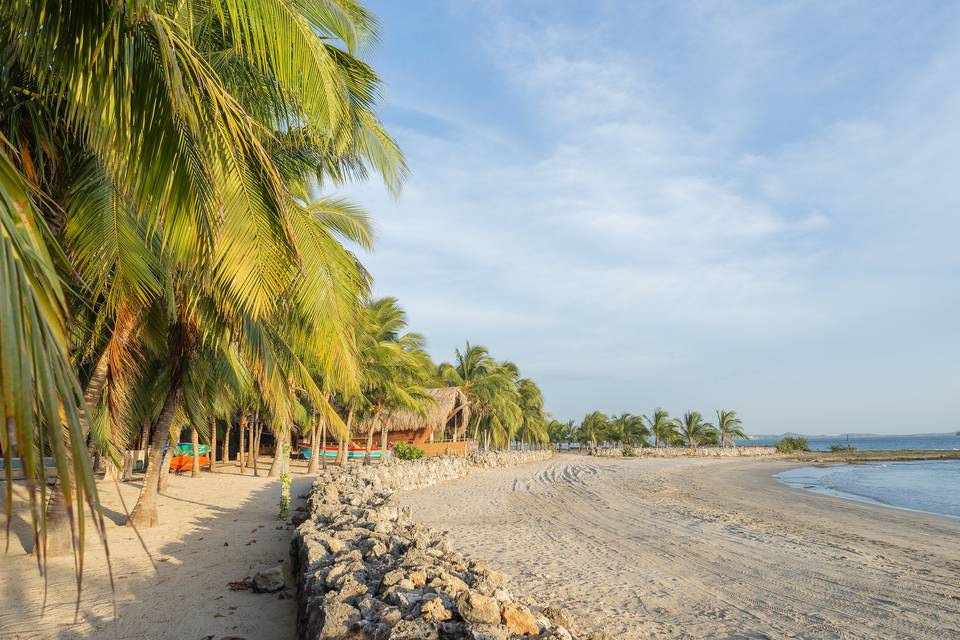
[[443, 431]]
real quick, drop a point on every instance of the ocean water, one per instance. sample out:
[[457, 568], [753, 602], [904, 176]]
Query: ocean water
[[871, 443], [921, 485]]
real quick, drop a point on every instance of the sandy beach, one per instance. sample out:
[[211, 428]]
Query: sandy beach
[[214, 530], [704, 549]]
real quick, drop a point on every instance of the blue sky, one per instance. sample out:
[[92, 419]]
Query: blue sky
[[694, 205]]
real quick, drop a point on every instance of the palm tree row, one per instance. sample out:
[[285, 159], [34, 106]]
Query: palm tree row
[[504, 406], [165, 249], [170, 256], [597, 429]]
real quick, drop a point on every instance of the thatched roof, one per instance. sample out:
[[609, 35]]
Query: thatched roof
[[447, 401]]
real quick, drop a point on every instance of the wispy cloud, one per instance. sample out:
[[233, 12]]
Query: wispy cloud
[[642, 227]]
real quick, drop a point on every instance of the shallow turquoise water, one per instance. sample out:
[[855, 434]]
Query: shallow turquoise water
[[932, 486]]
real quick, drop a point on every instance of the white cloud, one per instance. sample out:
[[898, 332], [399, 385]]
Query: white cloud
[[629, 251]]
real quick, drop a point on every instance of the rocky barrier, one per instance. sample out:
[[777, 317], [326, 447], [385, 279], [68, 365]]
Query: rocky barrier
[[366, 571], [682, 452]]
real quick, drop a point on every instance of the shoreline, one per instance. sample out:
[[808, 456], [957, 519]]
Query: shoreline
[[704, 549], [875, 455], [811, 485]]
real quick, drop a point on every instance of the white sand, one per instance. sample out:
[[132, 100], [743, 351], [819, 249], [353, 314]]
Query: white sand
[[704, 549], [186, 596]]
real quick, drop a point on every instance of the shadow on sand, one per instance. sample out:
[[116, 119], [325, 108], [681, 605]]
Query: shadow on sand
[[173, 583]]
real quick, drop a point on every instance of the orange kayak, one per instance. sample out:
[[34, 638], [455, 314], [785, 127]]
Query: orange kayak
[[185, 463]]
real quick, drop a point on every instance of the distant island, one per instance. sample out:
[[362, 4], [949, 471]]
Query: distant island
[[857, 435]]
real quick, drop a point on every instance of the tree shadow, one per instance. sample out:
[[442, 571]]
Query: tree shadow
[[216, 529]]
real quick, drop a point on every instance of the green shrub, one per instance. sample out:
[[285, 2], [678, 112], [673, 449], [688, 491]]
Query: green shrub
[[838, 448], [404, 451], [793, 444], [628, 451]]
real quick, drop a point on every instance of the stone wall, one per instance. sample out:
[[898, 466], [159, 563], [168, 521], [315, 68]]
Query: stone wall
[[493, 459], [404, 475], [607, 453], [682, 452], [366, 571]]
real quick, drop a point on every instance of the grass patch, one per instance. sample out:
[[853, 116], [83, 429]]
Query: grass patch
[[841, 448], [793, 445]]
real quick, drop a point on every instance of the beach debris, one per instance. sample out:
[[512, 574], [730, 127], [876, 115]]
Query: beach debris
[[241, 585], [269, 580]]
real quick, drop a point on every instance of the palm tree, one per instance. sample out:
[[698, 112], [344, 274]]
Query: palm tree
[[729, 427], [693, 430], [594, 428], [635, 431], [617, 428], [491, 391], [394, 368], [560, 432], [278, 107], [662, 426], [533, 420]]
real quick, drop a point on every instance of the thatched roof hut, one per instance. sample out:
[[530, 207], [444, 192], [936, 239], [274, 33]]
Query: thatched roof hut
[[450, 410]]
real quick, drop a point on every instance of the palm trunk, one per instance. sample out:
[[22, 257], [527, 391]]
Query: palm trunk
[[59, 538], [144, 443], [144, 514], [338, 459], [345, 442], [323, 443], [373, 422], [251, 434], [241, 460], [243, 434], [258, 431], [226, 441], [384, 438], [195, 440], [213, 445], [314, 465], [165, 464], [126, 474], [275, 466]]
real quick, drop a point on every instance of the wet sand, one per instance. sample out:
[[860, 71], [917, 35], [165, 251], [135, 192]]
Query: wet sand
[[704, 549]]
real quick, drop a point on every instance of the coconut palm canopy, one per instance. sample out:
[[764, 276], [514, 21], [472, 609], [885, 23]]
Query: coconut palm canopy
[[170, 251], [449, 403], [597, 428]]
